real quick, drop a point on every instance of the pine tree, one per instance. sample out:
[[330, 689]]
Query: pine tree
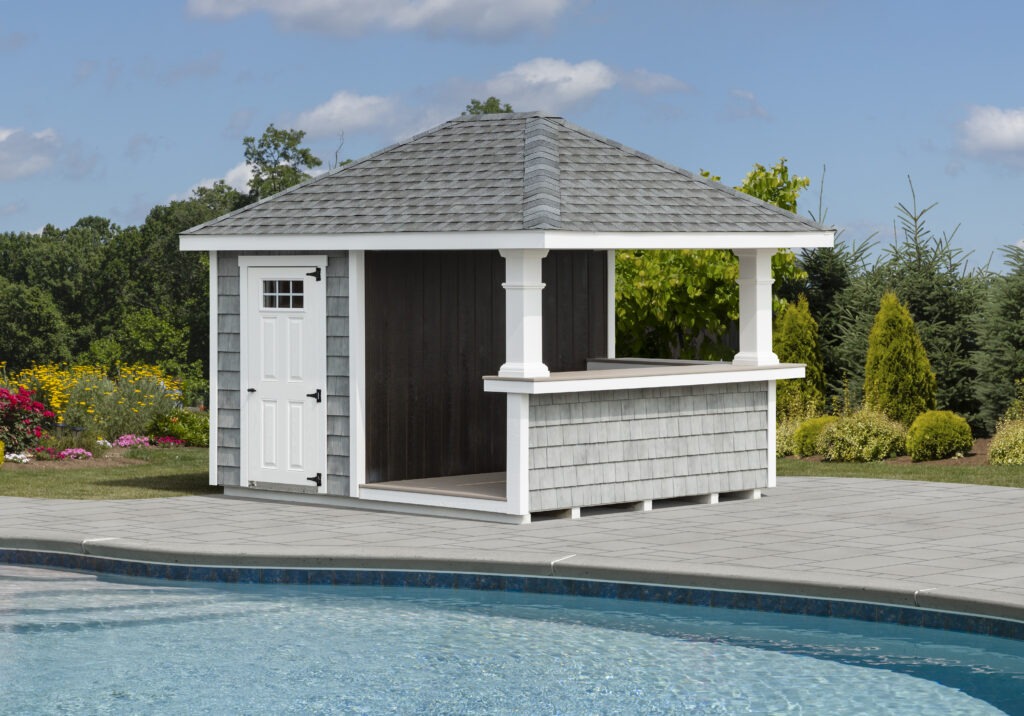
[[1000, 360], [796, 341], [898, 379]]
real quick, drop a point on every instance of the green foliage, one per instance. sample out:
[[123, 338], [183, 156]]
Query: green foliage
[[277, 161], [1000, 359], [805, 439], [103, 408], [938, 434], [864, 436], [796, 341], [188, 425], [785, 429], [491, 105], [32, 328], [931, 279], [683, 304], [1007, 446], [898, 379]]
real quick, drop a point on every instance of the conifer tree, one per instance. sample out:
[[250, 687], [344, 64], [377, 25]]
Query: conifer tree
[[898, 379], [796, 341]]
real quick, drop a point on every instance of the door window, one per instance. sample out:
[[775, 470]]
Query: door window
[[279, 293]]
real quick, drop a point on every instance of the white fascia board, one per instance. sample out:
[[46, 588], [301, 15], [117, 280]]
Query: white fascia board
[[606, 380], [495, 240]]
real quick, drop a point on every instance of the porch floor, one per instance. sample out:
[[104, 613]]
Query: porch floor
[[482, 486]]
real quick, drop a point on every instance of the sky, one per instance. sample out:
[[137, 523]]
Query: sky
[[110, 108]]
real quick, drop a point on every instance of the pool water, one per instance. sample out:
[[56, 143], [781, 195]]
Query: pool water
[[76, 643]]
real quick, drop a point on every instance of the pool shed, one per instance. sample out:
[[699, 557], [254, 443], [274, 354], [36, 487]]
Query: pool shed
[[432, 329]]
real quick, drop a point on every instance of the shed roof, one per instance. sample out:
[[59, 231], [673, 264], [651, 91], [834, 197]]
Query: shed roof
[[506, 173]]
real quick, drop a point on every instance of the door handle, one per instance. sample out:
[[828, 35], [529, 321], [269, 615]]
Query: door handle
[[251, 390], [315, 394]]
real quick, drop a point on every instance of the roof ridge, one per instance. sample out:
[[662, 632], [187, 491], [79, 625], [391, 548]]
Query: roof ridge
[[542, 184]]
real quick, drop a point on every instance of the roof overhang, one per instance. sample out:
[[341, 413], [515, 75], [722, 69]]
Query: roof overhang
[[495, 240]]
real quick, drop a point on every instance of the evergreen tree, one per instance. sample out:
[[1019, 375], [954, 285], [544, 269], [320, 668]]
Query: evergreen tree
[[796, 341], [1000, 360], [898, 379]]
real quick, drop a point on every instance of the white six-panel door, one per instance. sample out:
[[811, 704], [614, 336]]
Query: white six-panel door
[[284, 367]]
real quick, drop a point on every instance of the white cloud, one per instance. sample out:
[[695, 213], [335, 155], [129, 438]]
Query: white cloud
[[483, 18], [24, 153], [346, 112], [991, 130], [237, 177], [744, 105], [550, 85]]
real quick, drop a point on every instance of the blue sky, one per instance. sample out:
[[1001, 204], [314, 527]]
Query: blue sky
[[110, 108]]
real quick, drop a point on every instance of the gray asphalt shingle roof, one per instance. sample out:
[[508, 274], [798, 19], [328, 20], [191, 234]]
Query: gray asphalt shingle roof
[[506, 172]]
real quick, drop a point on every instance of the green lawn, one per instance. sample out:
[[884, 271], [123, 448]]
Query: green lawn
[[1004, 475], [163, 472]]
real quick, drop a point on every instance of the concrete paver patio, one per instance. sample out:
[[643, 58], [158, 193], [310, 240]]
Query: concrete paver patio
[[943, 546]]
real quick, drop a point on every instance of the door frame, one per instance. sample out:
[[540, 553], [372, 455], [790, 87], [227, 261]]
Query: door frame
[[245, 262]]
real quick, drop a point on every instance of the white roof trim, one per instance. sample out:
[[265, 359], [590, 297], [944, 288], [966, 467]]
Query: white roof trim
[[492, 240]]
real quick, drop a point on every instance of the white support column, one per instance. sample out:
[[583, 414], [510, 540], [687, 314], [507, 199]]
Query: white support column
[[755, 283], [517, 465], [357, 371], [214, 400], [611, 304], [524, 337]]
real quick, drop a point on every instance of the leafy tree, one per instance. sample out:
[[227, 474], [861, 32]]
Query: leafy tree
[[33, 330], [491, 105], [898, 379], [999, 361], [277, 161], [796, 341], [672, 304]]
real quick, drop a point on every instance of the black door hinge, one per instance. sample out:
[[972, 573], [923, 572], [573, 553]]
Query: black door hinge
[[315, 394], [315, 273], [318, 479]]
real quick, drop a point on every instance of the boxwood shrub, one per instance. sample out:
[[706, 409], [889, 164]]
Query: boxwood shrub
[[864, 436], [805, 440], [1007, 446], [938, 434]]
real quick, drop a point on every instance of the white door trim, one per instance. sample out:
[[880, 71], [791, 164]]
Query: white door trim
[[287, 261]]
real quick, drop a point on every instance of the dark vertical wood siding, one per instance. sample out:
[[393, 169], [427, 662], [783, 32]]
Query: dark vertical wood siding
[[435, 325], [575, 308]]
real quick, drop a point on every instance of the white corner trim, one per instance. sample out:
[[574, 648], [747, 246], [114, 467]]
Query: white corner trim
[[357, 371], [212, 401], [638, 378], [771, 433], [611, 303], [517, 455]]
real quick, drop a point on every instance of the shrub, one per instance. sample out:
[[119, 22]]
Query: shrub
[[898, 379], [796, 341], [1007, 447], [938, 434], [862, 437], [784, 429], [22, 419], [805, 441], [191, 427]]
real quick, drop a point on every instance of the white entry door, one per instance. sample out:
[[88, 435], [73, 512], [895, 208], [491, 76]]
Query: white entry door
[[284, 390]]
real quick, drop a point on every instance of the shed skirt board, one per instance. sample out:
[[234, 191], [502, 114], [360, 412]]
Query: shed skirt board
[[284, 389]]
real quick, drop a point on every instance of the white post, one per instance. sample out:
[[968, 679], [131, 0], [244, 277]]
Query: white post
[[517, 466], [755, 283], [524, 337], [611, 304], [213, 401], [357, 371]]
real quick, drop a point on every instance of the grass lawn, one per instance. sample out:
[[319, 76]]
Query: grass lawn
[[136, 474], [1004, 475]]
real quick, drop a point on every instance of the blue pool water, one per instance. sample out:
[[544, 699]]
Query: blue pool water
[[77, 643]]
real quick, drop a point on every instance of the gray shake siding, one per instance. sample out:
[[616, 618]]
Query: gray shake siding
[[612, 447], [229, 366]]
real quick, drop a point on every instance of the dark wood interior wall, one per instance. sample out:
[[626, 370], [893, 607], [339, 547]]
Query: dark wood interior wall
[[435, 325], [575, 308]]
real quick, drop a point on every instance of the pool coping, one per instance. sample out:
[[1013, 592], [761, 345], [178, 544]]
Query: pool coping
[[950, 609]]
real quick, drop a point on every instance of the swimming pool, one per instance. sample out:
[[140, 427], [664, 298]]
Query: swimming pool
[[73, 642]]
